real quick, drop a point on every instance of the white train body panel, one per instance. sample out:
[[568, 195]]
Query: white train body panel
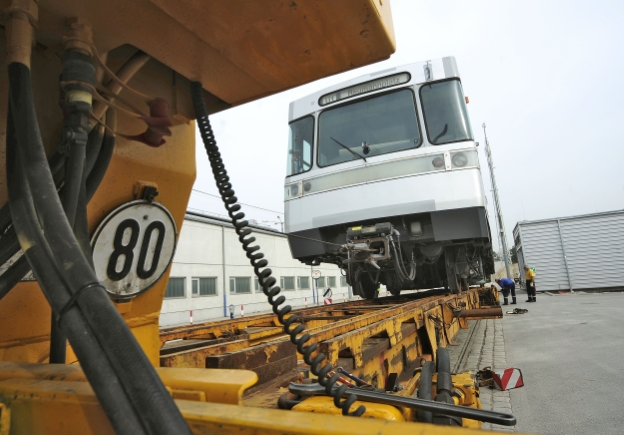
[[396, 196]]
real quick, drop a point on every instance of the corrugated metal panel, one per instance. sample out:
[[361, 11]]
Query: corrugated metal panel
[[595, 250], [542, 249]]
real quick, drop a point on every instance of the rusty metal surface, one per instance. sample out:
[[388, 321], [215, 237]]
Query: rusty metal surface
[[482, 313], [371, 338]]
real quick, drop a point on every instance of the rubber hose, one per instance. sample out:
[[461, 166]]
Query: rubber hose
[[9, 246], [92, 358], [144, 388], [444, 386], [259, 264], [14, 274], [96, 175], [425, 390], [96, 138]]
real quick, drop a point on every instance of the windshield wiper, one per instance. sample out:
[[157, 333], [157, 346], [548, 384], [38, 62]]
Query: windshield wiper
[[349, 149], [444, 131]]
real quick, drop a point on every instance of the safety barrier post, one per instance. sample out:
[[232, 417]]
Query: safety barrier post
[[242, 311], [191, 317], [305, 300]]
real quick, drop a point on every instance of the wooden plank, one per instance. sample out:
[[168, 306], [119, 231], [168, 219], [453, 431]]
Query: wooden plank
[[269, 372], [197, 357], [252, 357]]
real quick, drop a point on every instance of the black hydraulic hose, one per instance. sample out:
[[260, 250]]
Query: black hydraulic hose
[[70, 195], [444, 387], [81, 225], [9, 246], [92, 358], [148, 396], [256, 258], [425, 390], [96, 138], [96, 174], [73, 180], [12, 275]]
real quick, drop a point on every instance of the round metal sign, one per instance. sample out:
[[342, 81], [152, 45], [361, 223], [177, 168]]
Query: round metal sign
[[133, 247], [316, 274]]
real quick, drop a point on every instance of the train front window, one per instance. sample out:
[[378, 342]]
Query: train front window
[[300, 142], [444, 108], [369, 127]]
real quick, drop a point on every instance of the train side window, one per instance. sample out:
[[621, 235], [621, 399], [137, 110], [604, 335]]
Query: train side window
[[300, 141], [444, 109]]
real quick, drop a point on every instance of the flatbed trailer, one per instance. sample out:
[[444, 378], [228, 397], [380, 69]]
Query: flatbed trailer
[[377, 340]]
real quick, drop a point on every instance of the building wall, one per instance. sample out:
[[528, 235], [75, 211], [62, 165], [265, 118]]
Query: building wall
[[501, 270], [200, 254], [579, 252]]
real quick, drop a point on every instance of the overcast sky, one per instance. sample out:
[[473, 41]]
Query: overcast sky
[[545, 76]]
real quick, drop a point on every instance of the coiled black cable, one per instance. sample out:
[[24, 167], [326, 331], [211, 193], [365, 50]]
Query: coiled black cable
[[256, 258]]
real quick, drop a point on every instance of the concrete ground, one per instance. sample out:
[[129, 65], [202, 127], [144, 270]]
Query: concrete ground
[[570, 349]]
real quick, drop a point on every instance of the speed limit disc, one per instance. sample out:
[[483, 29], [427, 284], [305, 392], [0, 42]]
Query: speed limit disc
[[133, 247]]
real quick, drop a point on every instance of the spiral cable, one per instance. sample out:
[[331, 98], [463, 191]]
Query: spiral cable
[[259, 264]]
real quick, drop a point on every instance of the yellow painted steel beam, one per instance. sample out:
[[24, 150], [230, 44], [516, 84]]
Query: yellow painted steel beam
[[44, 407], [224, 386]]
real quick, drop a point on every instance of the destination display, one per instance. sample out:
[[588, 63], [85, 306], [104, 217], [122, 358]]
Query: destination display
[[364, 88]]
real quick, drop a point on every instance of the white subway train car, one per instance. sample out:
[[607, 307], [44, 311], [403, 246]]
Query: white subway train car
[[383, 180]]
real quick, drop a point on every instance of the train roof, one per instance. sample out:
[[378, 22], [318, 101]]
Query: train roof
[[419, 72]]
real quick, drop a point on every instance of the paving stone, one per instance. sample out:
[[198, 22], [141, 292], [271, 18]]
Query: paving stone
[[501, 399]]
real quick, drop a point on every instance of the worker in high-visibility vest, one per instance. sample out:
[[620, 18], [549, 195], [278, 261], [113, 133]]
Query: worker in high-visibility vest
[[529, 277]]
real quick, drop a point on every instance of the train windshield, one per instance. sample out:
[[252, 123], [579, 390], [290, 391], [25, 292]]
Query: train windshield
[[300, 142], [445, 112], [370, 127]]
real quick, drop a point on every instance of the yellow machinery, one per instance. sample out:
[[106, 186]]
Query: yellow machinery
[[98, 145]]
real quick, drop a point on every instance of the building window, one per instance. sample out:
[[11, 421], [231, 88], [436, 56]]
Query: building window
[[204, 286], [240, 285], [343, 281], [175, 288], [256, 284], [320, 282], [303, 282], [331, 281], [288, 283]]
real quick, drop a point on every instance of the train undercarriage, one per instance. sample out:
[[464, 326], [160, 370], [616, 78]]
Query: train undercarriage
[[409, 252]]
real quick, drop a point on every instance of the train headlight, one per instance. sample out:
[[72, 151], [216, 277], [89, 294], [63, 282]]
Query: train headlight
[[459, 160], [291, 191], [307, 186], [438, 162]]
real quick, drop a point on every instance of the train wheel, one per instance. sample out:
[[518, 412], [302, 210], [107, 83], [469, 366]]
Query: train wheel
[[391, 284], [365, 287]]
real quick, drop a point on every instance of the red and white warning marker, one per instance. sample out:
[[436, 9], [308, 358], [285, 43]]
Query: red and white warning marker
[[507, 379]]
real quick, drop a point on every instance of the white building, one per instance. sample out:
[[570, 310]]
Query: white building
[[210, 272], [574, 253]]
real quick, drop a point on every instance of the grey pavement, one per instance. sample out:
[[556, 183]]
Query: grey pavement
[[487, 348], [570, 349]]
